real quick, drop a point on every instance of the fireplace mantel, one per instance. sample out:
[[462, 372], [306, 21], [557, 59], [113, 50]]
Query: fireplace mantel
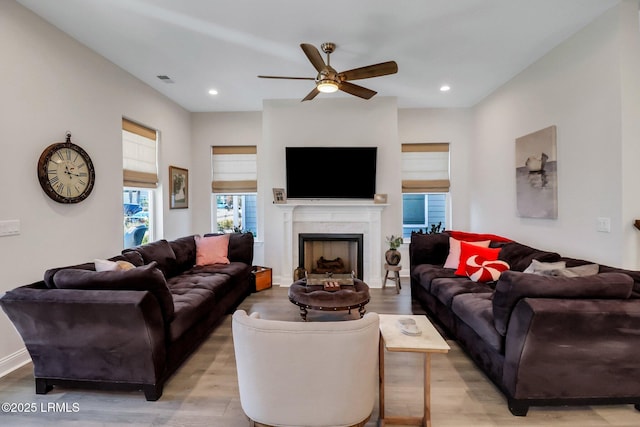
[[331, 216]]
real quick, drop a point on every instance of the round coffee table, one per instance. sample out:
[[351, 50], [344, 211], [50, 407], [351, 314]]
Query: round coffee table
[[316, 298]]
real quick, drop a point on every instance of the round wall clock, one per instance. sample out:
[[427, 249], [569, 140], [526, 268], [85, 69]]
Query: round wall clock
[[66, 172]]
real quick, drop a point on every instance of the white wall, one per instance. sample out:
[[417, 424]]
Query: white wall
[[209, 129], [577, 87], [51, 84]]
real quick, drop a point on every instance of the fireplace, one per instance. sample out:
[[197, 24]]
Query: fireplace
[[331, 252], [337, 218]]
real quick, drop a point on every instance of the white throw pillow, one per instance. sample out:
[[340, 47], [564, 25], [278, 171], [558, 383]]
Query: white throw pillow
[[453, 260], [538, 267], [106, 265]]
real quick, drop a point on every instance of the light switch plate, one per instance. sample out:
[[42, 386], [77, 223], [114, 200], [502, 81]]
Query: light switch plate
[[603, 224]]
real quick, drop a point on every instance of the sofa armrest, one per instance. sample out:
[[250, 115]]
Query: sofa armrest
[[90, 335], [570, 348]]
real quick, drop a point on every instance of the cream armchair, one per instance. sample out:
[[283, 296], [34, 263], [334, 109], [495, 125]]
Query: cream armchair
[[306, 373]]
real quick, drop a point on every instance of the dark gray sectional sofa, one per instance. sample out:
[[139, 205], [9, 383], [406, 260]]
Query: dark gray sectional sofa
[[543, 340], [127, 329]]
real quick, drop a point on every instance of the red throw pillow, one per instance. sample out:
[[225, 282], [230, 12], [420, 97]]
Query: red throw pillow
[[481, 270], [474, 237], [467, 250]]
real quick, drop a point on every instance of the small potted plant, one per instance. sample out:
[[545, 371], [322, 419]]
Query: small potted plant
[[392, 256]]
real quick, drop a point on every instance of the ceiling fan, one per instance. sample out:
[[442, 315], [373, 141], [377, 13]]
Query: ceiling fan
[[329, 80]]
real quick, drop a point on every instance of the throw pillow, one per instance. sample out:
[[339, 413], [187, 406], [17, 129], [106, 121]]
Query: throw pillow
[[212, 250], [579, 271], [106, 265], [159, 251], [467, 250], [477, 237], [453, 260], [537, 267], [481, 270]]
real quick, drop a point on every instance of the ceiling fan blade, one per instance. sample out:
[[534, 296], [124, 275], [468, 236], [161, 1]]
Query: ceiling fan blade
[[288, 78], [356, 90], [314, 56], [376, 70], [311, 95]]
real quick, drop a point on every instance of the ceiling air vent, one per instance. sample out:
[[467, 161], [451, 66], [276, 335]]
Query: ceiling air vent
[[165, 79]]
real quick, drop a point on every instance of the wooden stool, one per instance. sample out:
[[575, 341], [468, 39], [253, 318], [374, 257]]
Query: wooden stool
[[396, 276]]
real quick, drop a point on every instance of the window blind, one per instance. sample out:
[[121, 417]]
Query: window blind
[[235, 169], [139, 155], [425, 168]]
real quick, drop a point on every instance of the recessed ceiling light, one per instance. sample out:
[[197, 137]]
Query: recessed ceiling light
[[213, 92], [445, 88]]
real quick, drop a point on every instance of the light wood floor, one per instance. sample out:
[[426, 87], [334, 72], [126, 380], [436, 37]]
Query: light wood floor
[[204, 391]]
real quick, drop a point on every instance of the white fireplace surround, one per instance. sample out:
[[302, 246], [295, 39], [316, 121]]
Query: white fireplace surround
[[339, 217]]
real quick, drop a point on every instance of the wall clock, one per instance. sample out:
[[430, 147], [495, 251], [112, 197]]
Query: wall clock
[[66, 172]]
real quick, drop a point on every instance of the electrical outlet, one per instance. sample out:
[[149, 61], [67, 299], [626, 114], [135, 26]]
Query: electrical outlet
[[10, 227], [603, 224]]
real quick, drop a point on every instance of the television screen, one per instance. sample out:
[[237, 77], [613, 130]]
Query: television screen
[[331, 172]]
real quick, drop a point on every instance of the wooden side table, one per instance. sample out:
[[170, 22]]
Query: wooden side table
[[428, 342], [396, 276]]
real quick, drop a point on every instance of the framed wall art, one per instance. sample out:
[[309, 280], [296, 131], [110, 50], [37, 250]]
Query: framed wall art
[[279, 196], [178, 188], [537, 174]]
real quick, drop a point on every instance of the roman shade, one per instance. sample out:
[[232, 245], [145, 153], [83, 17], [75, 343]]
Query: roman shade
[[139, 155], [234, 169], [425, 168]]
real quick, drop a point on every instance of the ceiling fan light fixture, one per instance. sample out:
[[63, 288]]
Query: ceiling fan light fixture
[[327, 86]]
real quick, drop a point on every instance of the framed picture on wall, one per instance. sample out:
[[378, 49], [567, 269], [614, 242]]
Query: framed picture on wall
[[178, 188], [536, 174], [279, 196]]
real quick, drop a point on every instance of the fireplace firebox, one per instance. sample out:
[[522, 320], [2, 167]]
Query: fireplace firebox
[[337, 253]]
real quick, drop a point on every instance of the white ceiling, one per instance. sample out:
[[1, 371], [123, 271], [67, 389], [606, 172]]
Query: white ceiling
[[473, 45]]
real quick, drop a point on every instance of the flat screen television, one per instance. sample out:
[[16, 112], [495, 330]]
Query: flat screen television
[[331, 172]]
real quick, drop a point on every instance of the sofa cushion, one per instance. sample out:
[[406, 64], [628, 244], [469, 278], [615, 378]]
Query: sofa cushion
[[191, 305], [212, 250], [467, 250], [445, 289], [145, 278], [519, 256], [475, 310], [202, 279], [635, 275], [513, 286], [425, 273], [50, 274], [185, 250], [159, 251], [428, 249]]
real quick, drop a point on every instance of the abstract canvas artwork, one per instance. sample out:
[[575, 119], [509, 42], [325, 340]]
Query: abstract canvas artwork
[[536, 174]]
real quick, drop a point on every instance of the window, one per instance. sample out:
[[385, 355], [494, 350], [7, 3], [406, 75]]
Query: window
[[234, 188], [425, 186], [140, 178]]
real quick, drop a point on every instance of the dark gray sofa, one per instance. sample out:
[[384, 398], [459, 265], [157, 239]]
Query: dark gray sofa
[[127, 329], [543, 340]]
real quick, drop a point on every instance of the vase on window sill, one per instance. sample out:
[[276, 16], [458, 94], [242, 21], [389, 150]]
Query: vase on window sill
[[392, 256]]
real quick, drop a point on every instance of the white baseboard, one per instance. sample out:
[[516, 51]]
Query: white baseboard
[[14, 361]]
